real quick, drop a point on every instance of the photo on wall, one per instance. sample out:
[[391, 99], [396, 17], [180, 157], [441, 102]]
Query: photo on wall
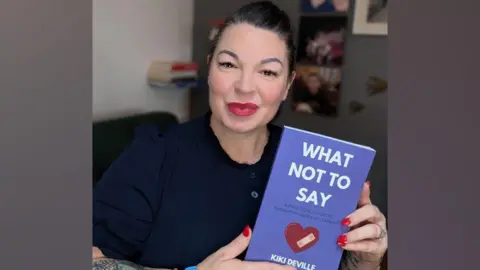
[[320, 56], [370, 17], [316, 90], [321, 40], [319, 6], [377, 11]]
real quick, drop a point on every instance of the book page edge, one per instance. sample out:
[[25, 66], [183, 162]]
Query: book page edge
[[331, 138]]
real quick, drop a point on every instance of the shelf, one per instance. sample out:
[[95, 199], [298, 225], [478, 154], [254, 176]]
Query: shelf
[[178, 85], [174, 85]]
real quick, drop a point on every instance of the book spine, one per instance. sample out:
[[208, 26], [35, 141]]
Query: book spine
[[167, 77], [182, 74], [184, 67], [168, 72]]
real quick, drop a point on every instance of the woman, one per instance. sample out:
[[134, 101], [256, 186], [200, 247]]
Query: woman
[[181, 199]]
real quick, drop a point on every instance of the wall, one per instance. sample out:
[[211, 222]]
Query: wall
[[364, 56], [128, 35]]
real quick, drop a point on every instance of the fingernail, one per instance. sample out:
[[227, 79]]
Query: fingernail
[[346, 221], [342, 244], [246, 231], [368, 183], [342, 239]]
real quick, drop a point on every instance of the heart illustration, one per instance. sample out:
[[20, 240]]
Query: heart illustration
[[300, 239]]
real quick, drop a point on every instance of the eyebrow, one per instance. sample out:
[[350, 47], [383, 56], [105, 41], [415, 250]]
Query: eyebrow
[[264, 61]]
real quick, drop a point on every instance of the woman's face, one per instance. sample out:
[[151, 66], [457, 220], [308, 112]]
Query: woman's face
[[248, 77]]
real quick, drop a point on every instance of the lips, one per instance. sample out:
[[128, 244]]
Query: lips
[[242, 109]]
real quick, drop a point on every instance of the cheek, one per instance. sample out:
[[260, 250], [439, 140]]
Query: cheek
[[220, 83], [273, 93]]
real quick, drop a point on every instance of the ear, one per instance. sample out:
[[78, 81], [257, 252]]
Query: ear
[[209, 58], [290, 82]]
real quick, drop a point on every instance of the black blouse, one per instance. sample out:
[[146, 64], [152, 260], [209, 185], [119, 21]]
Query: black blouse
[[172, 199]]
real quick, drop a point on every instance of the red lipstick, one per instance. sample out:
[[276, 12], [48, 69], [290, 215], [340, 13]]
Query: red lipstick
[[242, 109]]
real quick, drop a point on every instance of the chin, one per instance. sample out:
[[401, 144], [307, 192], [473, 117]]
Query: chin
[[241, 124]]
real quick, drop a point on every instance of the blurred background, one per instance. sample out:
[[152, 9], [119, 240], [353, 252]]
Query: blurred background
[[144, 48]]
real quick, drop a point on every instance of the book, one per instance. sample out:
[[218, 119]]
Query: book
[[161, 72], [177, 83], [315, 182]]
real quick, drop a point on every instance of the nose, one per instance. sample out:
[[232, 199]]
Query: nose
[[245, 83]]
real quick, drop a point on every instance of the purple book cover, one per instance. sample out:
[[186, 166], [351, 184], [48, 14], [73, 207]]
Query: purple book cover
[[315, 182]]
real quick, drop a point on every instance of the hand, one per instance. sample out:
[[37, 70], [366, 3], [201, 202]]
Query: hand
[[224, 258], [367, 240], [97, 253]]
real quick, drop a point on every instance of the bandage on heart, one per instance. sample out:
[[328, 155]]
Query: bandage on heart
[[300, 239]]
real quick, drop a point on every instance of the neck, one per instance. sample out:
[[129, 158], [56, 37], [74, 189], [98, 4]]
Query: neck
[[245, 148]]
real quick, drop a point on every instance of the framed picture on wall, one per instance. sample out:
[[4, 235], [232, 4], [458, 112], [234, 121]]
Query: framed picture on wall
[[324, 6], [316, 90], [370, 17], [320, 53]]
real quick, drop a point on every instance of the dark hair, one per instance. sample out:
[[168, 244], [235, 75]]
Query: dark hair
[[264, 15]]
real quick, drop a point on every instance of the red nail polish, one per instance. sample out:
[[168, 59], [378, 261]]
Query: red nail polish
[[342, 239], [368, 183], [342, 244], [346, 222], [246, 231]]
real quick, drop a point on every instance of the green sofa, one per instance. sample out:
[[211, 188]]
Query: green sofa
[[110, 137]]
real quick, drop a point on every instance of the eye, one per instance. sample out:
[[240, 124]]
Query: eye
[[270, 73], [226, 64]]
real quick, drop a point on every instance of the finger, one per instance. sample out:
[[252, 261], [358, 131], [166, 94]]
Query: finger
[[365, 195], [366, 232], [236, 247], [367, 246], [367, 213], [265, 266]]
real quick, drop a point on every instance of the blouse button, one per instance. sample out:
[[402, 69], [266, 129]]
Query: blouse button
[[254, 194], [253, 175]]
